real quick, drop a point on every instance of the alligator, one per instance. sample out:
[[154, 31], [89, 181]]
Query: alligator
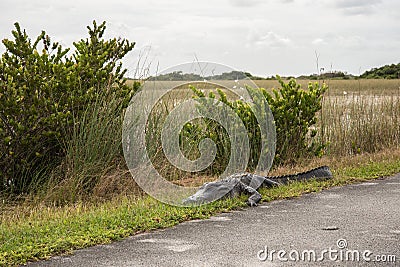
[[248, 183]]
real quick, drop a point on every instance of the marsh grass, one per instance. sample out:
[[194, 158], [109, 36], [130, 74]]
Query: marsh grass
[[338, 87], [354, 124], [357, 116], [93, 153], [189, 141]]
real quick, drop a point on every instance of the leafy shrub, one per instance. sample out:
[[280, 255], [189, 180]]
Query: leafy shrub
[[219, 135], [43, 94], [295, 113]]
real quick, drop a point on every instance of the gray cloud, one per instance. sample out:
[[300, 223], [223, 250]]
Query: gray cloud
[[356, 3], [269, 39], [357, 7], [245, 3], [341, 41]]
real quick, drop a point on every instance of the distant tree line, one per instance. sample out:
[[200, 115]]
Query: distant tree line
[[385, 72], [180, 76]]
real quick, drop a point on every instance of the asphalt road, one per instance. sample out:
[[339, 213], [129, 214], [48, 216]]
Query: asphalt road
[[355, 225]]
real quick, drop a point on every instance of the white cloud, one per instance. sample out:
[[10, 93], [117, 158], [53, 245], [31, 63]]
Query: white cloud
[[340, 41], [245, 3], [356, 3], [357, 7], [319, 41], [270, 39], [354, 42]]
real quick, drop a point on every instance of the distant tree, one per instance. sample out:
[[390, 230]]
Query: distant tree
[[180, 76], [385, 72]]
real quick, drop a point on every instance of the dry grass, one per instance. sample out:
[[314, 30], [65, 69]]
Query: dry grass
[[358, 116], [353, 124], [338, 87]]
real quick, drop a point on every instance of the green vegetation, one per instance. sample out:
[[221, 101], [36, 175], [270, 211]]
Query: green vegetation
[[45, 231], [386, 72], [337, 75], [180, 76], [295, 113], [45, 96]]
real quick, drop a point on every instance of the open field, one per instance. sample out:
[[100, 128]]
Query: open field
[[336, 87], [357, 116], [340, 87], [353, 124]]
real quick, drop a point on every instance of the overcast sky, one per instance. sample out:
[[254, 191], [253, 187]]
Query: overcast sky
[[262, 37]]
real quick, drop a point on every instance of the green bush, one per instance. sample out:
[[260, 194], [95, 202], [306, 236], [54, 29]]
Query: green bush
[[295, 114], [213, 130], [45, 92]]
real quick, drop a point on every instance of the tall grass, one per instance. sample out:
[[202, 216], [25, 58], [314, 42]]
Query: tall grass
[[337, 87], [358, 116], [92, 151], [353, 124]]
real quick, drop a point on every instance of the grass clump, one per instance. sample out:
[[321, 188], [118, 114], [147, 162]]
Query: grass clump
[[354, 124]]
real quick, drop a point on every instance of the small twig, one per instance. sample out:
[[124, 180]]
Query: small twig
[[7, 125]]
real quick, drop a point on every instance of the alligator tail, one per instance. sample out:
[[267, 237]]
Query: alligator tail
[[320, 173]]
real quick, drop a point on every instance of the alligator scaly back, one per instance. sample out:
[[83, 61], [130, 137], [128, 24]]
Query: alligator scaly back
[[320, 173]]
